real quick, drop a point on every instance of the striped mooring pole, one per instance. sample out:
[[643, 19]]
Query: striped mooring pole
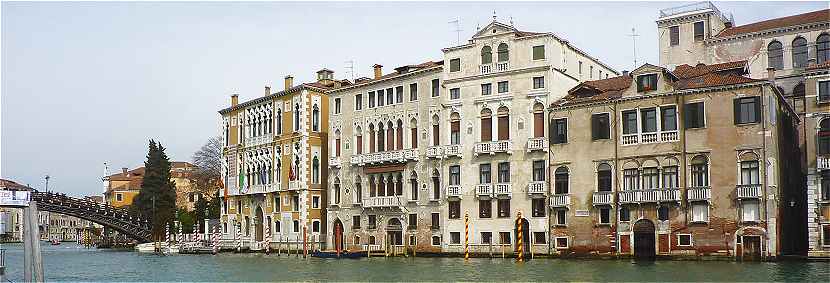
[[167, 233], [180, 236], [519, 237], [195, 235], [238, 237], [215, 240], [466, 235], [268, 239]]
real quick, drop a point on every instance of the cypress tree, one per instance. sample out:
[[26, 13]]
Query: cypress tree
[[157, 198]]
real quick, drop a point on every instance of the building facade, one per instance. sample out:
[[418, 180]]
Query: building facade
[[692, 162], [275, 164], [122, 187], [816, 127]]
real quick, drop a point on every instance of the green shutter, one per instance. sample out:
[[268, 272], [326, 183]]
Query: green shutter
[[757, 109], [736, 110]]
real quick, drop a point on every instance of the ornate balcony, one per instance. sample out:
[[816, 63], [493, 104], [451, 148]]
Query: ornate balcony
[[698, 193], [452, 150], [502, 66], [387, 201], [435, 152], [503, 189], [395, 156], [822, 162], [630, 139], [486, 68], [263, 188], [540, 144], [294, 185], [629, 196], [454, 191], [355, 159], [484, 190], [600, 198], [260, 140], [410, 154], [560, 200], [335, 162], [668, 136], [749, 191], [536, 187], [668, 195], [493, 147], [653, 137]]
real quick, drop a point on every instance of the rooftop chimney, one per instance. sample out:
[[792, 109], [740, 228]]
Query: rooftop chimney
[[267, 90], [123, 169], [625, 73], [289, 82], [378, 71], [234, 99]]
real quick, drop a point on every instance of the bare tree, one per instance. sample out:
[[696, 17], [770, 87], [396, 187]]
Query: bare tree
[[208, 161]]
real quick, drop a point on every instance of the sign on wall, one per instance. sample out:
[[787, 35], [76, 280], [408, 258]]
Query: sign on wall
[[14, 198]]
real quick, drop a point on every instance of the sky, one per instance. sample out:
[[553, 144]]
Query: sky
[[84, 83]]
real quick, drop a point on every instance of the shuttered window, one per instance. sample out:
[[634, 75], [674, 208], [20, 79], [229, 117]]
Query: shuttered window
[[538, 52], [337, 147], [359, 142], [371, 141], [560, 131], [747, 110], [399, 136], [414, 136], [674, 35], [694, 115], [504, 127], [436, 139], [455, 135], [538, 124], [455, 65], [600, 126], [486, 128], [390, 138]]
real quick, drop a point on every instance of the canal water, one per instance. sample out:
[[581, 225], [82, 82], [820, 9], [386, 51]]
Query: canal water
[[68, 262]]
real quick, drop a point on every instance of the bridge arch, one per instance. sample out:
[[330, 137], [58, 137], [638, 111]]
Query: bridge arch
[[118, 219]]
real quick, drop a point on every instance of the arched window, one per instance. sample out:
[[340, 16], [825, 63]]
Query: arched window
[[775, 55], [503, 52], [279, 121], [504, 123], [399, 135], [824, 136], [390, 136], [358, 190], [799, 52], [455, 128], [797, 98], [436, 184], [336, 190], [413, 133], [296, 117], [315, 119], [315, 170], [560, 177], [380, 139], [399, 185], [823, 48], [604, 177], [337, 143], [277, 227], [700, 171], [371, 138], [358, 140], [372, 188], [486, 125], [538, 121], [436, 134], [486, 55], [413, 185], [296, 226]]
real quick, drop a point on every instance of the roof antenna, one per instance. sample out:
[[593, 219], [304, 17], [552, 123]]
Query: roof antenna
[[457, 30], [634, 36], [511, 21], [494, 15]]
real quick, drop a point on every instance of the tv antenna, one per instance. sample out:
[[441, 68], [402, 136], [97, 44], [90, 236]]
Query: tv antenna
[[350, 68], [634, 36], [457, 22]]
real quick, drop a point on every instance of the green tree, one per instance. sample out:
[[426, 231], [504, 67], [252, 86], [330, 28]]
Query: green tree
[[186, 219], [157, 198]]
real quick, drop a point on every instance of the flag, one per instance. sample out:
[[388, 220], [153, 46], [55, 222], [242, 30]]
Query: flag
[[241, 178]]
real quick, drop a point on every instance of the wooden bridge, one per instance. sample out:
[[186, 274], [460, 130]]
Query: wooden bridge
[[118, 219]]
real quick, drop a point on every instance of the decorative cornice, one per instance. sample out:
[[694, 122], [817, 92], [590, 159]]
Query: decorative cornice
[[404, 75], [498, 74], [769, 32]]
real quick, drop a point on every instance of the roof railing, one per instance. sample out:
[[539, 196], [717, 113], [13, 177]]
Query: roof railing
[[693, 7]]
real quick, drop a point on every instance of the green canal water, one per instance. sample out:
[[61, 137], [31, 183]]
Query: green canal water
[[68, 262]]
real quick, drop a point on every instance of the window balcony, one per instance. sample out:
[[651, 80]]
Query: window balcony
[[502, 66], [649, 138], [454, 191], [560, 200], [629, 196], [493, 147], [435, 152], [387, 201], [536, 187], [410, 154], [540, 144], [822, 162], [669, 136], [294, 185], [653, 137], [486, 68], [260, 140], [484, 190], [503, 189], [698, 193], [668, 195], [749, 191], [630, 139], [335, 162], [600, 198], [452, 150], [356, 160]]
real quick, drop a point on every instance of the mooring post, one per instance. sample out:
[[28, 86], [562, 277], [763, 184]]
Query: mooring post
[[32, 260]]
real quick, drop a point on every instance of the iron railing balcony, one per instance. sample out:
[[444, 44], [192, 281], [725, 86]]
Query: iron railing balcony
[[600, 198], [699, 193], [749, 191], [540, 144], [536, 187], [560, 200]]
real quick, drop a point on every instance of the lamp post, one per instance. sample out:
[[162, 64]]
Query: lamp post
[[47, 182]]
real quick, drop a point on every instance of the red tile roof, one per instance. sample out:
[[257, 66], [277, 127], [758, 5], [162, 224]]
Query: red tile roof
[[806, 18], [711, 80], [686, 71], [13, 186], [397, 72]]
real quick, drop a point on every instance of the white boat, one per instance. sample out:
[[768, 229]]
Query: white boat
[[152, 247]]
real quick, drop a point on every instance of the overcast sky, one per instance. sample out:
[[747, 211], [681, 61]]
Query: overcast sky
[[91, 82]]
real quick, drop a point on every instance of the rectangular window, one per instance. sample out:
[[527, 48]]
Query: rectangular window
[[629, 118], [580, 67], [315, 202], [337, 105], [538, 170], [371, 99], [625, 214], [504, 238], [631, 179], [538, 82], [662, 213], [694, 115], [504, 208], [604, 215], [486, 89], [455, 175], [436, 88], [455, 65], [699, 31], [649, 120], [749, 173], [436, 220], [600, 126], [560, 131], [372, 222], [538, 52], [296, 203], [504, 172], [356, 222], [684, 240], [700, 212], [381, 96], [503, 87], [668, 118], [825, 232], [358, 101], [747, 110], [436, 240], [670, 177], [455, 93], [674, 35], [485, 208], [824, 91], [399, 94], [454, 209], [486, 237], [561, 242], [390, 99], [650, 178], [538, 207], [455, 238], [413, 92], [561, 217], [750, 211], [484, 174], [646, 82]]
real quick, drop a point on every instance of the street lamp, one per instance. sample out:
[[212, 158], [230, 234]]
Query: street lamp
[[47, 182]]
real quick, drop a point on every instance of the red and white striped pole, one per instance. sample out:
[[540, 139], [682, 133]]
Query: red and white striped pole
[[215, 240]]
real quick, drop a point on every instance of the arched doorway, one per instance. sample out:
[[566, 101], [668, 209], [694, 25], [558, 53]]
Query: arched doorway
[[258, 227], [338, 235], [644, 239], [394, 232], [525, 236]]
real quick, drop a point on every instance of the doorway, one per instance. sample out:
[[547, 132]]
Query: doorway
[[394, 232], [338, 235], [644, 240], [751, 248], [525, 235], [258, 227]]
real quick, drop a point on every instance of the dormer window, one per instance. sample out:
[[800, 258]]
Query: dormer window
[[646, 82]]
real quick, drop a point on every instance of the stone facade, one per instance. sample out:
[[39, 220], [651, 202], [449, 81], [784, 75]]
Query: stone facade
[[817, 130]]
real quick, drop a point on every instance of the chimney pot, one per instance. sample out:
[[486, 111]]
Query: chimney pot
[[289, 82], [625, 73], [234, 99], [267, 90], [124, 169], [378, 71]]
